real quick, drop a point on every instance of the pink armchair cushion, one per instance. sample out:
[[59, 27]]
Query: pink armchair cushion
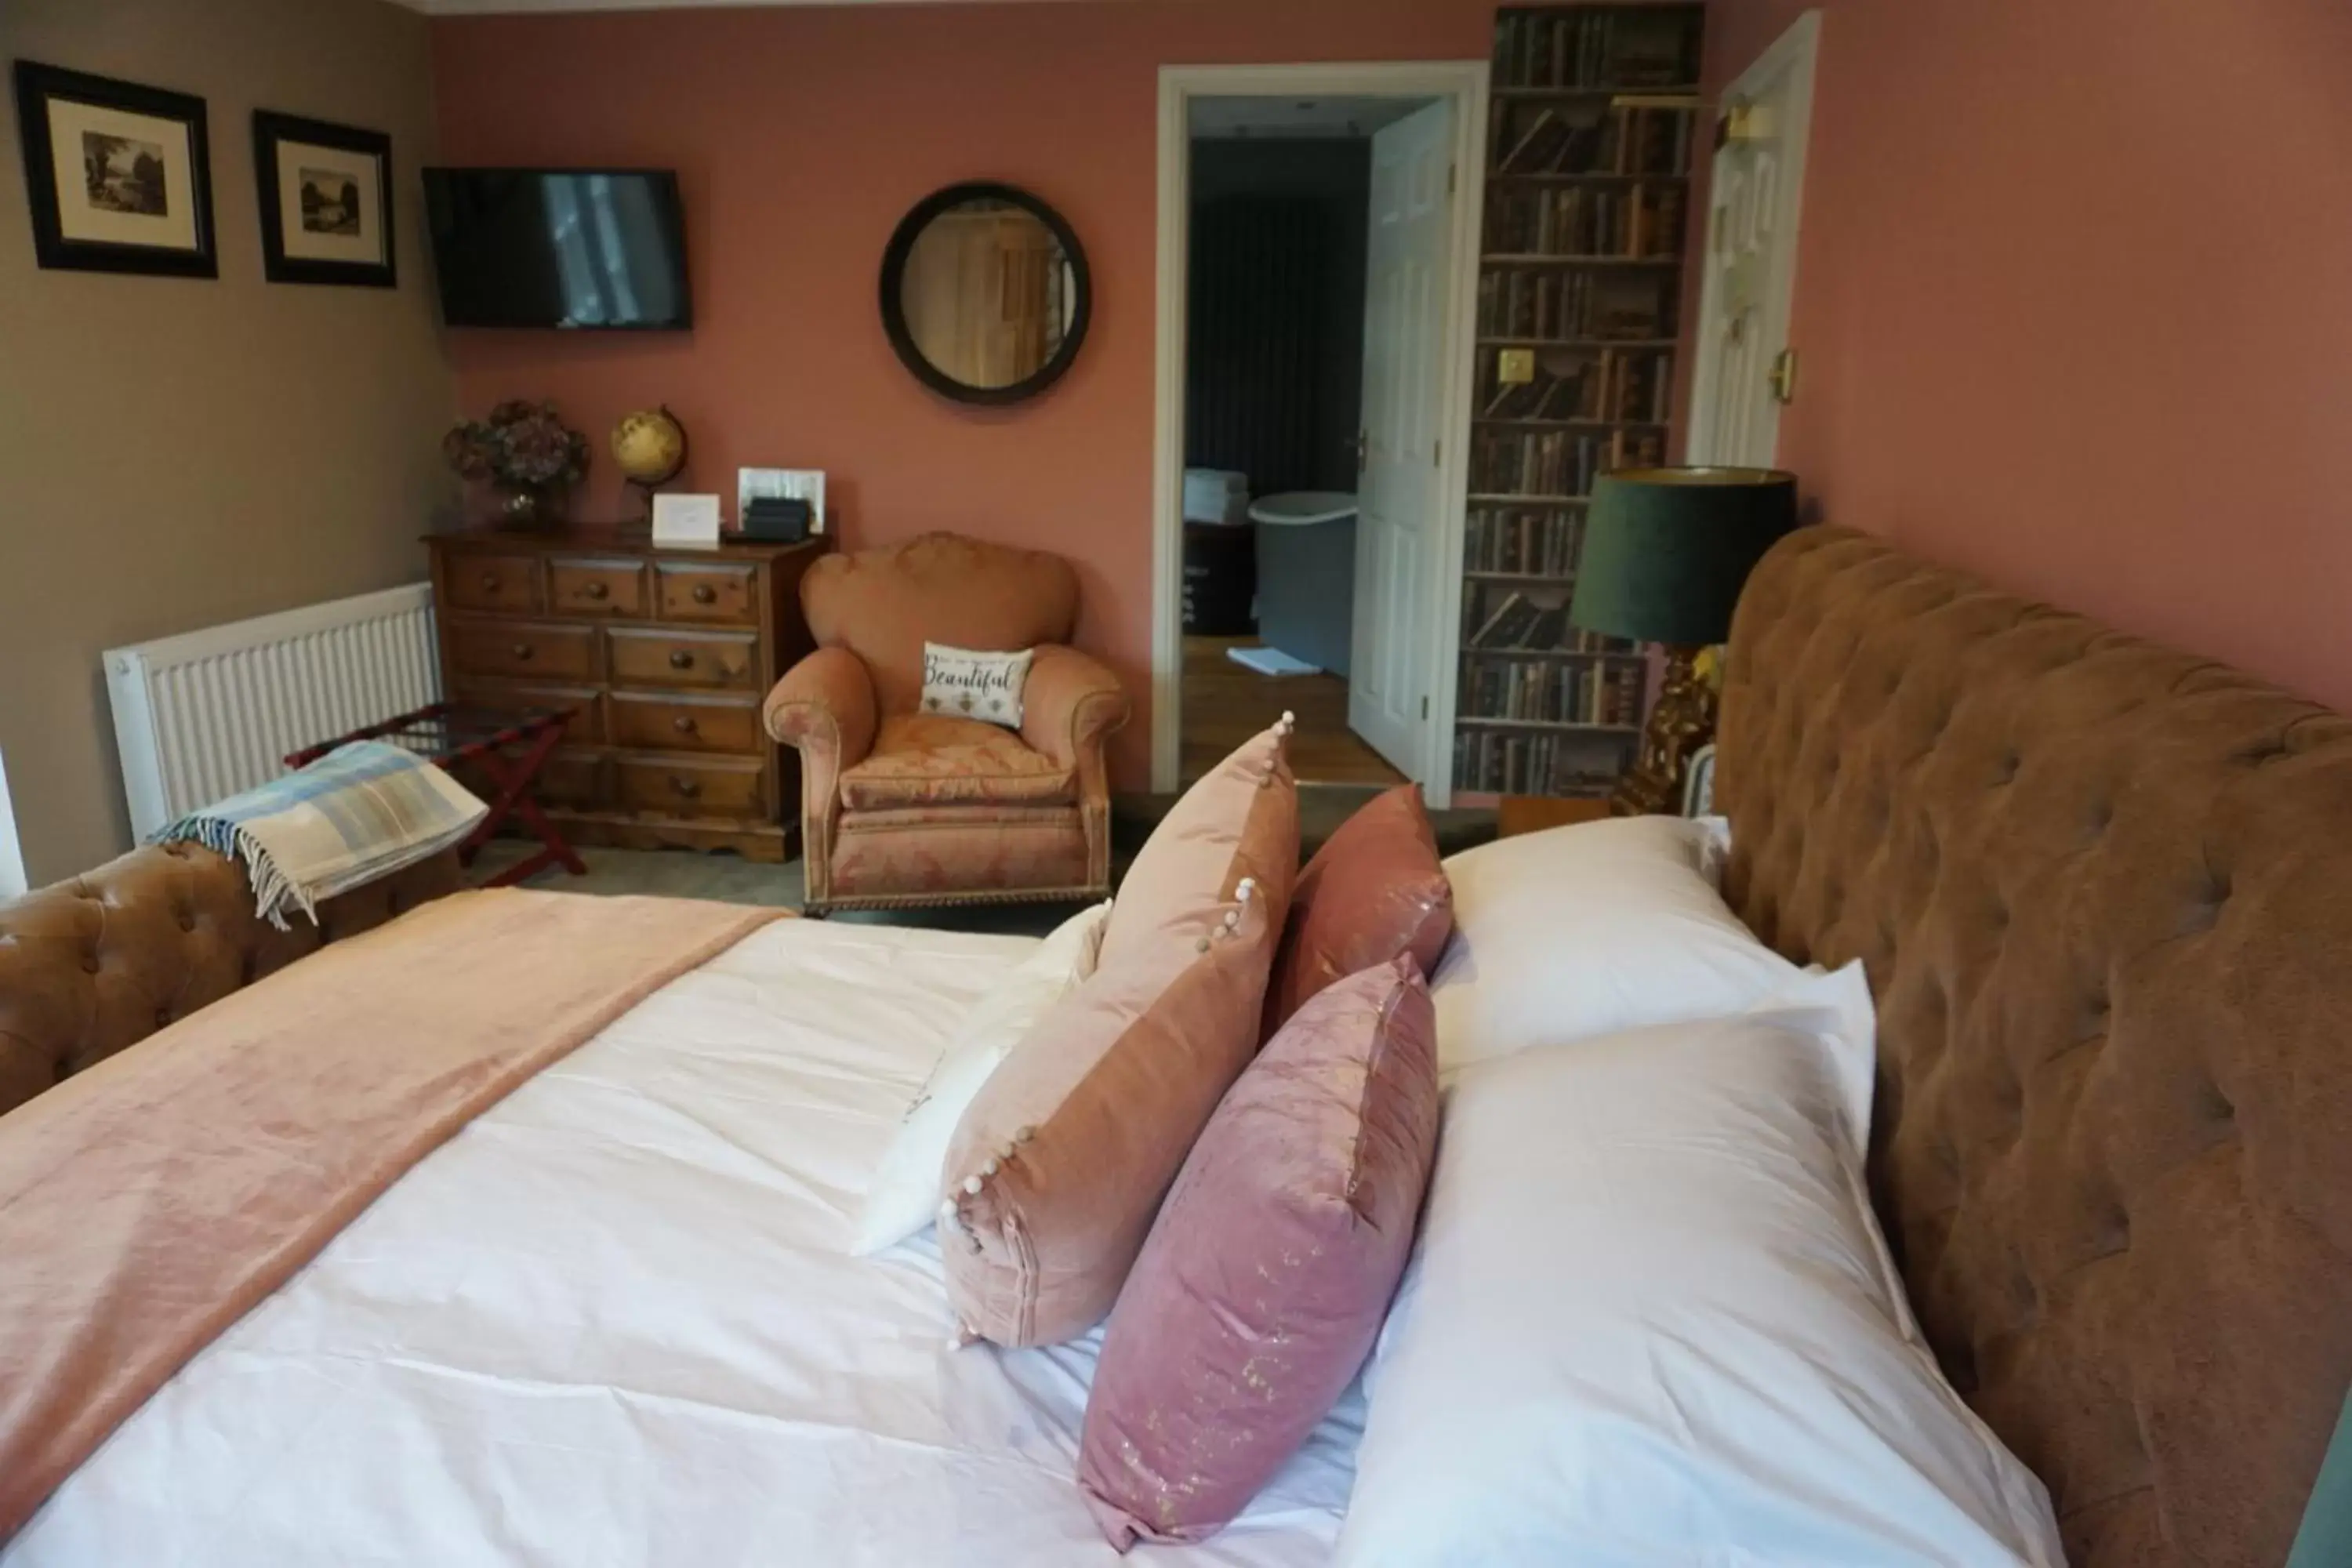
[[884, 605], [1265, 1277], [922, 760], [1374, 891]]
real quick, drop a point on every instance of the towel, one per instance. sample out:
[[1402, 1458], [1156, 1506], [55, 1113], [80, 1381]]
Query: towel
[[360, 812]]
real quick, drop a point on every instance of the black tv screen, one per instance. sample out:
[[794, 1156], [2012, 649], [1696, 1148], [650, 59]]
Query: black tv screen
[[558, 248]]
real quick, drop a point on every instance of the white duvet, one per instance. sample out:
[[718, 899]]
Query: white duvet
[[614, 1321]]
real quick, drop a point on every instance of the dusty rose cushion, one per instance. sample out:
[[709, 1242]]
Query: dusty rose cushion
[[1241, 820], [1376, 889], [1267, 1274], [1057, 1167]]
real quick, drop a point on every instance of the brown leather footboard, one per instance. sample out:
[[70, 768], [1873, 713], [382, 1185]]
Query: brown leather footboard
[[92, 966], [2104, 890]]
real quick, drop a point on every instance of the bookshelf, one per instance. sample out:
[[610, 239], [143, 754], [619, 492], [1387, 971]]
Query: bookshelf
[[1589, 162]]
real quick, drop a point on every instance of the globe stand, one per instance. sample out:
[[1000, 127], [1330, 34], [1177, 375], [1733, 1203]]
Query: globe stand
[[646, 485]]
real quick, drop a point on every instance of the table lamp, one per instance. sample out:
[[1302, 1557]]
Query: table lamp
[[1666, 551]]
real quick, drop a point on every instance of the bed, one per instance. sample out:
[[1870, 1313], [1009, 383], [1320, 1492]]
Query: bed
[[2100, 892]]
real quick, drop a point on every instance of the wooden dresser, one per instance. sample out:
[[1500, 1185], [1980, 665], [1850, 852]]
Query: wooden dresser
[[667, 655]]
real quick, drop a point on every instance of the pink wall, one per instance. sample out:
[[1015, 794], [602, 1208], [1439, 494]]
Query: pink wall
[[2075, 304], [801, 136]]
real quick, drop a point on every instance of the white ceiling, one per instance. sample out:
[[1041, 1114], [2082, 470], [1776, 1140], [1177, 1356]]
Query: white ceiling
[[484, 7]]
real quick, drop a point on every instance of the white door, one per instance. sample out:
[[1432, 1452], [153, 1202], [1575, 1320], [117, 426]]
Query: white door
[[1747, 366], [1399, 498]]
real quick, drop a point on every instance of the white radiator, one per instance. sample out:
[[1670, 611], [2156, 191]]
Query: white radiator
[[204, 716]]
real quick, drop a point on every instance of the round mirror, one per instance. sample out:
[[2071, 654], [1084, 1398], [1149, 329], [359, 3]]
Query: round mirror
[[985, 294]]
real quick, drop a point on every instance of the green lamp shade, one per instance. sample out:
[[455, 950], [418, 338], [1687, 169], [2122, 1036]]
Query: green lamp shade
[[1667, 551]]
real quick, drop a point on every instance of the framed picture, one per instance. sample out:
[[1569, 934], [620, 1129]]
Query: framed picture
[[118, 173], [326, 202]]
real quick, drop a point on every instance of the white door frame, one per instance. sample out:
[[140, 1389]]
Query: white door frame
[[1798, 48], [1463, 83]]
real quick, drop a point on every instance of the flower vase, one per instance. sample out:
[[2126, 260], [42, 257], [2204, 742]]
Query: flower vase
[[530, 506]]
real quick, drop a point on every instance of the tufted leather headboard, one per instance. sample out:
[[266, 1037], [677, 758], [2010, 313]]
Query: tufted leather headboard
[[2103, 891], [92, 966]]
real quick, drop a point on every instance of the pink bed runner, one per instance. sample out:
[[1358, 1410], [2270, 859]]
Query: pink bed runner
[[151, 1202]]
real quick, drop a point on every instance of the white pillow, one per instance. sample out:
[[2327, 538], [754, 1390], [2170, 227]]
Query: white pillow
[[964, 684], [1590, 930], [904, 1198], [1650, 1319]]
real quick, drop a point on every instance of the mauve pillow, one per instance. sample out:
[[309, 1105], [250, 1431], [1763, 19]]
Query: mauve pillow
[[1266, 1276], [1058, 1165], [1374, 891]]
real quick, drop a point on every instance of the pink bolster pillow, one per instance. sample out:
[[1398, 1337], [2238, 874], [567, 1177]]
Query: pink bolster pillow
[[1267, 1274]]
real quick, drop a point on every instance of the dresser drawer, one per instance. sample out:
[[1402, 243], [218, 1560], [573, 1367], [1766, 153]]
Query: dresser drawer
[[575, 779], [683, 658], [687, 723], [495, 583], [571, 779], [680, 786], [587, 725], [700, 593], [522, 650], [595, 588]]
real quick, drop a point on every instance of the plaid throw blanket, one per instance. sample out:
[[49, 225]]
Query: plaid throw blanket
[[358, 812]]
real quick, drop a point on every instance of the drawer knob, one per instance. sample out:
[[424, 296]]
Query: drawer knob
[[522, 650], [600, 590], [685, 787], [681, 659], [683, 724], [704, 594], [489, 582]]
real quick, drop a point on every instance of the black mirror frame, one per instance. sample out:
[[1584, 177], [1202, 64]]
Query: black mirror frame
[[894, 307]]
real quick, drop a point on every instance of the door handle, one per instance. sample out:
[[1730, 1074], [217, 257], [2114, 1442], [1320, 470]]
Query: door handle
[[1783, 378], [1363, 451]]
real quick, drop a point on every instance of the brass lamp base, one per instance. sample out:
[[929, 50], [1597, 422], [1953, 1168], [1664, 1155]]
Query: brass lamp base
[[1682, 722]]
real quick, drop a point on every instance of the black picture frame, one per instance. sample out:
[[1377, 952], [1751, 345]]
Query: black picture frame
[[269, 130], [37, 87], [893, 278]]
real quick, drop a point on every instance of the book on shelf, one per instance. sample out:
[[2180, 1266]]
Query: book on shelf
[[1595, 384], [1597, 694], [1509, 625], [1547, 305], [1523, 541], [1595, 46], [1561, 763], [1554, 463], [1638, 222], [1591, 138]]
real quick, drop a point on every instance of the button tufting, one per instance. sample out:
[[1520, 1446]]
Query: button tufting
[[163, 1017], [90, 964], [187, 922]]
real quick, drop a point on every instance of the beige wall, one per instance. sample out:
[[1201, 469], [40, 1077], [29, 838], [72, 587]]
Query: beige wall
[[179, 452]]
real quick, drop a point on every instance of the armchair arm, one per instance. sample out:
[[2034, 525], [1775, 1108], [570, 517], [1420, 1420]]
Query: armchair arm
[[1068, 710], [824, 707], [1070, 707]]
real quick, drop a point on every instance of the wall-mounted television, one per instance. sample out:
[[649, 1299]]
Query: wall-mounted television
[[581, 248]]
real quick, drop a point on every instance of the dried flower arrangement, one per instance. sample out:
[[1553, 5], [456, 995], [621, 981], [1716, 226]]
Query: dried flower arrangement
[[524, 450]]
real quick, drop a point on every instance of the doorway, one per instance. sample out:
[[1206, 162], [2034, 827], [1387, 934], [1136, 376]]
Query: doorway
[[1317, 291]]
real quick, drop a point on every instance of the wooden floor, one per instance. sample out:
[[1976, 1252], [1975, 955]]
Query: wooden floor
[[1226, 704]]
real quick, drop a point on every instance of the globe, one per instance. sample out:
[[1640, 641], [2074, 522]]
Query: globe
[[650, 448]]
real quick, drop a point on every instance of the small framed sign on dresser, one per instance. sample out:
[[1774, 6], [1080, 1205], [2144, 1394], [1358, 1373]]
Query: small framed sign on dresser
[[667, 653]]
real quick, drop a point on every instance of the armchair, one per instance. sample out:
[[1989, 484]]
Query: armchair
[[901, 808]]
